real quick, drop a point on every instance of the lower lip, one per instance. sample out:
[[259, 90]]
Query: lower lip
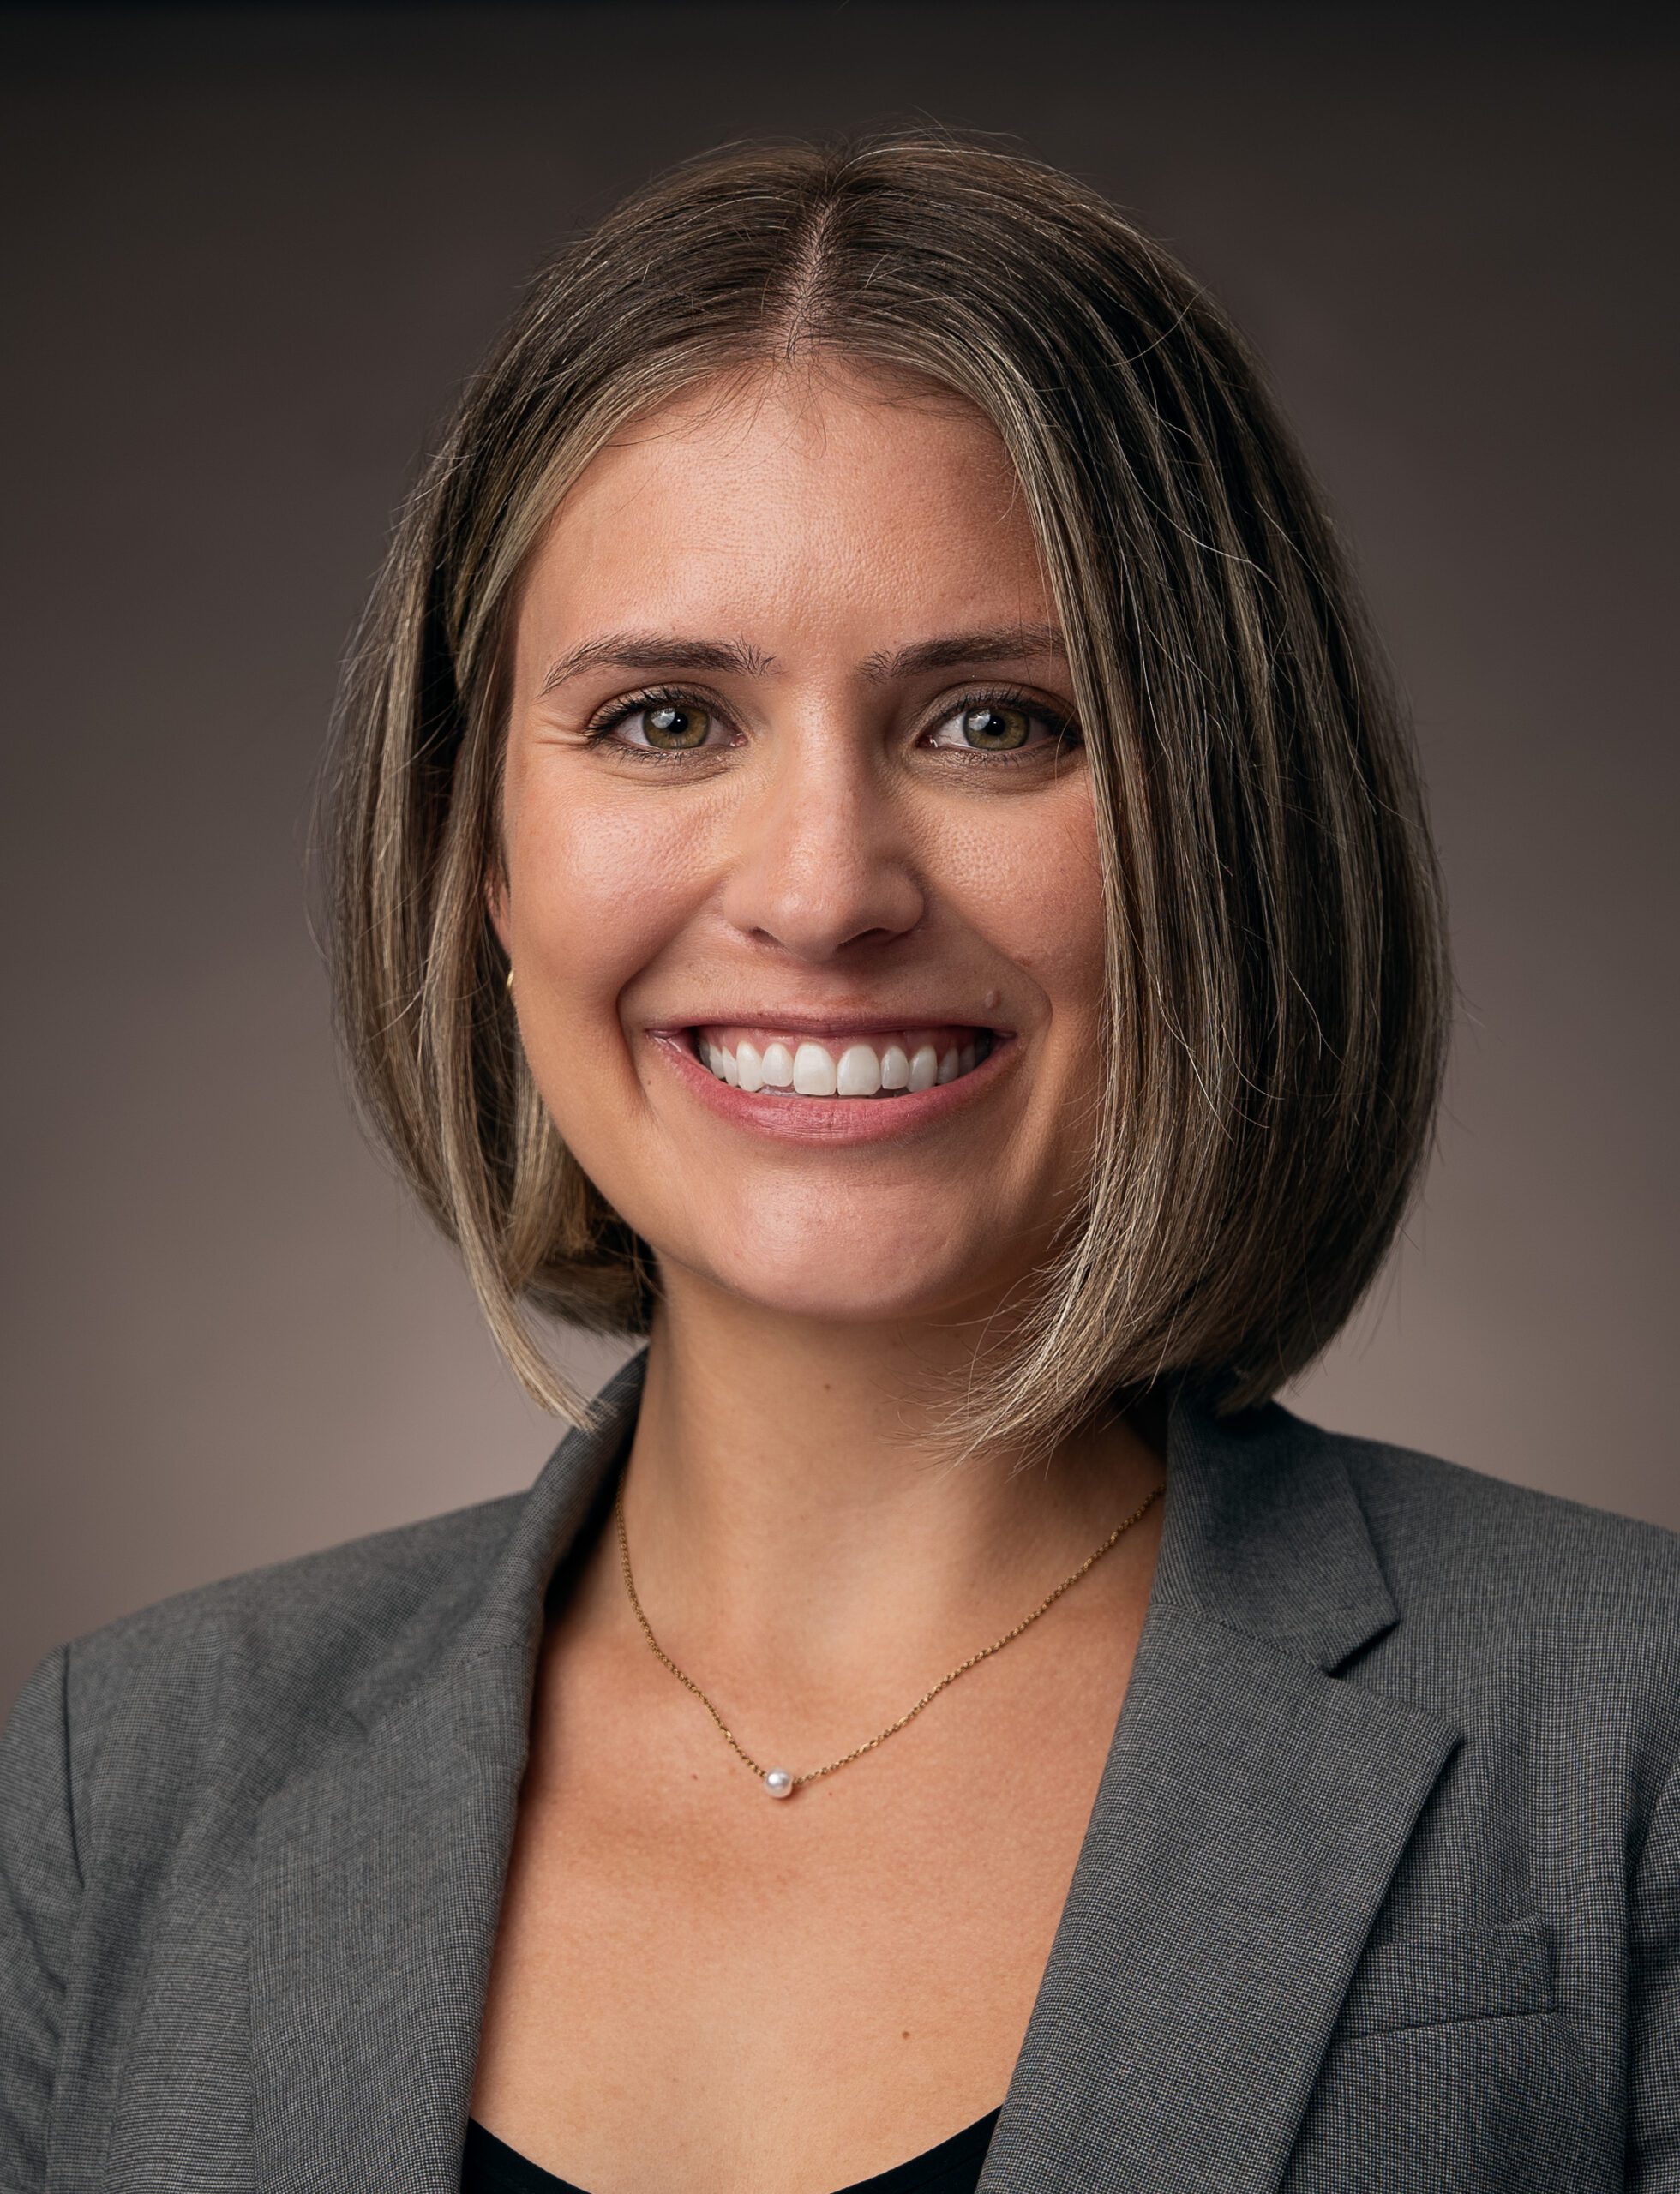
[[823, 1121]]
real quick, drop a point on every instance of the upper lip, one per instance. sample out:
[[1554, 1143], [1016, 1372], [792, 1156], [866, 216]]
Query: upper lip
[[874, 1019]]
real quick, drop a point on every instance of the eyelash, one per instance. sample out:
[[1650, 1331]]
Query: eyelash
[[599, 731]]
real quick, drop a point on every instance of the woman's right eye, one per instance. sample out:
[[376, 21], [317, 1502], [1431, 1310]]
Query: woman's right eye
[[658, 727]]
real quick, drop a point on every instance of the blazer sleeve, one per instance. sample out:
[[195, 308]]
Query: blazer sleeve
[[1654, 2116], [40, 1891]]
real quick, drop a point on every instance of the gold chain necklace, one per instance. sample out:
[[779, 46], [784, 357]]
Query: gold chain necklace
[[780, 1782]]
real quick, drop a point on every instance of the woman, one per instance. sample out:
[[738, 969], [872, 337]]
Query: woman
[[874, 851]]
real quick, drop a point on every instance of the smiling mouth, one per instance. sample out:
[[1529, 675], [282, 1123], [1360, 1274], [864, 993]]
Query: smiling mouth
[[885, 1064]]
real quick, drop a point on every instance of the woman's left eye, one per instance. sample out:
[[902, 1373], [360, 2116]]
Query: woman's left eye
[[996, 728]]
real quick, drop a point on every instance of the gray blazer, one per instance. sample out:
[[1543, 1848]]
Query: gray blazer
[[1381, 1890]]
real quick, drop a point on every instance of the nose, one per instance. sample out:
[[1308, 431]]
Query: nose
[[820, 857]]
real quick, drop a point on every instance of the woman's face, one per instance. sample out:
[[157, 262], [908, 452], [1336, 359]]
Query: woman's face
[[804, 903]]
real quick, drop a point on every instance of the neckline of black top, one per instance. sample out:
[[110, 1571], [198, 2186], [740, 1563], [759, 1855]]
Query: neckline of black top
[[490, 2167]]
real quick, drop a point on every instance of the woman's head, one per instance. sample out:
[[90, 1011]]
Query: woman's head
[[790, 788], [869, 594]]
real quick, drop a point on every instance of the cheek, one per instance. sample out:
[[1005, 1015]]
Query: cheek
[[1071, 928], [598, 895], [596, 891], [1033, 888]]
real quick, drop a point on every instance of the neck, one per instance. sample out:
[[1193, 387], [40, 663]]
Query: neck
[[795, 1528]]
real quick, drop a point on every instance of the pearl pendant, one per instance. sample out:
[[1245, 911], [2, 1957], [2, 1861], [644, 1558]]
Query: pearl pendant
[[778, 1783]]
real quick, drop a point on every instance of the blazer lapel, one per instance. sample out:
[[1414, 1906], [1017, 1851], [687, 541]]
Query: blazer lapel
[[379, 1875], [1248, 1824]]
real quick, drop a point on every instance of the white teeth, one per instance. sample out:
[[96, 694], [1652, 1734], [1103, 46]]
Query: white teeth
[[859, 1073], [811, 1070]]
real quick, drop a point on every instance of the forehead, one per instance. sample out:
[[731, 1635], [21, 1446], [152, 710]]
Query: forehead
[[833, 499]]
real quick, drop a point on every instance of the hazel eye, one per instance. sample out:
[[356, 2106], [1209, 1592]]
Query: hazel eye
[[672, 727], [994, 728]]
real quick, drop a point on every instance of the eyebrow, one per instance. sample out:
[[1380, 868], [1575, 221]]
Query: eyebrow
[[646, 651], [960, 649], [656, 651]]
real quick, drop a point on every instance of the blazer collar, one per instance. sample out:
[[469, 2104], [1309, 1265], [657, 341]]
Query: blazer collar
[[1248, 1823], [378, 1871], [1263, 1532]]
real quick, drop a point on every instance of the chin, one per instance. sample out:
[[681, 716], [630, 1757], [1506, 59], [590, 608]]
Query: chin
[[835, 1286]]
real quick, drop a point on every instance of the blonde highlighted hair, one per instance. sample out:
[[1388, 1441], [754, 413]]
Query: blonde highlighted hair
[[1278, 991]]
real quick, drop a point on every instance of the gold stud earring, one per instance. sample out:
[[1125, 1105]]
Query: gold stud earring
[[508, 984]]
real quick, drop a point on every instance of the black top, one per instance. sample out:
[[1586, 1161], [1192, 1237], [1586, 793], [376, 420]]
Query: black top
[[490, 2167]]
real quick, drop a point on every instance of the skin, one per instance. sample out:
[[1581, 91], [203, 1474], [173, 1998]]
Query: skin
[[695, 1985]]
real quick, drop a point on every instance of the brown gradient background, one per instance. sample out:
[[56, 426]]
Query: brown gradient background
[[250, 254]]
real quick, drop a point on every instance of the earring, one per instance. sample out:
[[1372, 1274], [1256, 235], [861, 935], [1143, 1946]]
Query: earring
[[508, 984]]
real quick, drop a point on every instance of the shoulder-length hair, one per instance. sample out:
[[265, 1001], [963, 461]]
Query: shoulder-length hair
[[1277, 986]]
